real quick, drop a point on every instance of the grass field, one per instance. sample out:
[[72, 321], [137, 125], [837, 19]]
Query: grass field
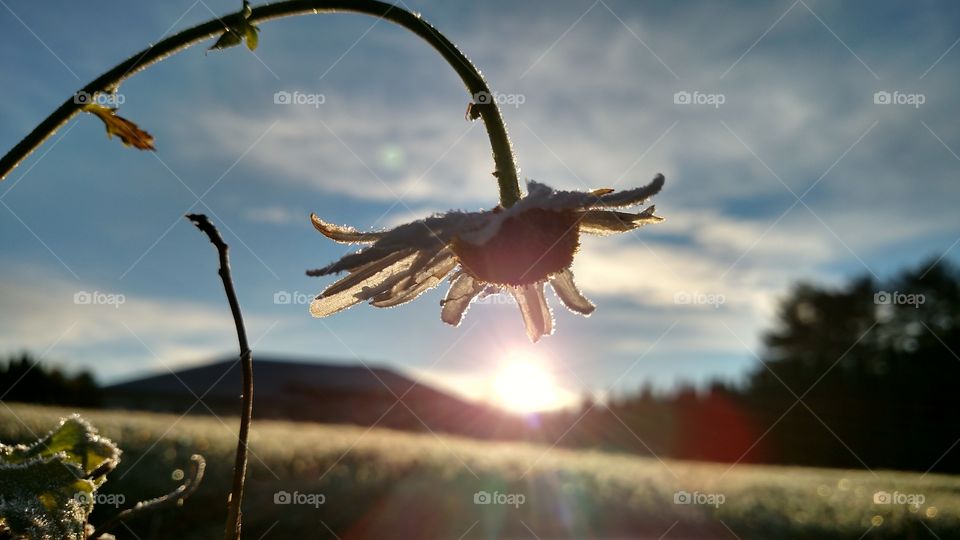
[[348, 482]]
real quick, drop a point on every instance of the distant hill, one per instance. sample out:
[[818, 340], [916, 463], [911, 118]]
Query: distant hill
[[318, 392]]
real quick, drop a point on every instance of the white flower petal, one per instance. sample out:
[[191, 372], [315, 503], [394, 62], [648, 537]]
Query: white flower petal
[[396, 280], [631, 197], [348, 291], [490, 290], [541, 196], [568, 293], [537, 316], [462, 291], [604, 222], [431, 234], [416, 283], [344, 234], [362, 274]]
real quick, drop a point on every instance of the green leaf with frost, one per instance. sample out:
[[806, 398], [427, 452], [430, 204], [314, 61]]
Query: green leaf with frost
[[77, 441], [239, 30], [45, 499], [46, 488]]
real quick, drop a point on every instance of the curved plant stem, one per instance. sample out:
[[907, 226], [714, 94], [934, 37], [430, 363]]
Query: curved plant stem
[[506, 170], [174, 498], [232, 530]]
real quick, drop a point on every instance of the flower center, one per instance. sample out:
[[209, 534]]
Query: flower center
[[528, 248]]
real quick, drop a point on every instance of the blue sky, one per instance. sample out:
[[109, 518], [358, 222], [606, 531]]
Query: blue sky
[[797, 174]]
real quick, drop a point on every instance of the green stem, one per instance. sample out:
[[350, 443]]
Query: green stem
[[506, 169]]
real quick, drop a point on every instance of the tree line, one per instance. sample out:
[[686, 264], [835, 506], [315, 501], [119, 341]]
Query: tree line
[[862, 375]]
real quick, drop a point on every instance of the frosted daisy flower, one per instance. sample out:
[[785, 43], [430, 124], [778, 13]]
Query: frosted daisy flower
[[517, 249]]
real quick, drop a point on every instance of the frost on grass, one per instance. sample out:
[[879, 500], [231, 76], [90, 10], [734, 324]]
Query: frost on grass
[[46, 488]]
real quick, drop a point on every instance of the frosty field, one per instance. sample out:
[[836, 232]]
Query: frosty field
[[318, 481]]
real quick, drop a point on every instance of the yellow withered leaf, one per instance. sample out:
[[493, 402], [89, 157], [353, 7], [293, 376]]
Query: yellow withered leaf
[[129, 133]]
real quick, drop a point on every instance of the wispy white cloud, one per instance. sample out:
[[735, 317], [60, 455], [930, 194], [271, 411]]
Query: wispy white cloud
[[107, 330], [326, 150], [275, 215]]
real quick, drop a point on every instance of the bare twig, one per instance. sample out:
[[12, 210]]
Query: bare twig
[[232, 530], [174, 498]]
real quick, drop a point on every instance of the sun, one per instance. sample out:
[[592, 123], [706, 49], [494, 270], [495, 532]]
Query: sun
[[523, 386]]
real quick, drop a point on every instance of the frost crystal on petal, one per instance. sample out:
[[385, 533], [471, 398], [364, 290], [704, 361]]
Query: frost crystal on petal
[[342, 233], [541, 196], [569, 294], [462, 291], [416, 283], [604, 222], [345, 292]]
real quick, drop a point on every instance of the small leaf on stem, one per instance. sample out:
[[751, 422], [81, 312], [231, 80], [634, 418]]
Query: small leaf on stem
[[253, 37], [239, 30], [130, 134], [230, 38]]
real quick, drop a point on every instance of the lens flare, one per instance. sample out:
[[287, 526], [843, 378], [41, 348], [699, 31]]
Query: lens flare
[[523, 386]]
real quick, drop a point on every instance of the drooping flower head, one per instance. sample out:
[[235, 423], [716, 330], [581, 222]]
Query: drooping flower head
[[517, 249]]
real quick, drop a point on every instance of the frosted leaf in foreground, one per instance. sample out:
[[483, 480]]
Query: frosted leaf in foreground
[[46, 489], [517, 250]]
